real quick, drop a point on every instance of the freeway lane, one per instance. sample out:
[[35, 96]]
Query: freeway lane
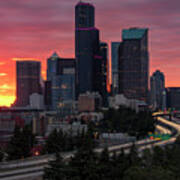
[[163, 130], [28, 172], [29, 176]]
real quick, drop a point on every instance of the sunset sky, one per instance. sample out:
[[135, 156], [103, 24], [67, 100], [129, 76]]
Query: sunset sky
[[36, 28]]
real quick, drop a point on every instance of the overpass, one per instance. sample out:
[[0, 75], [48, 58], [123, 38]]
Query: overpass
[[32, 168]]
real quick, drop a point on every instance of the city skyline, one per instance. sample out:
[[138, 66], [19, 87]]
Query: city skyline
[[35, 29]]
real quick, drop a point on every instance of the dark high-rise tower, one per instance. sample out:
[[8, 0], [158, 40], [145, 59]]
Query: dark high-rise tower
[[134, 64], [115, 66], [104, 72], [84, 15], [27, 81], [157, 89], [86, 46]]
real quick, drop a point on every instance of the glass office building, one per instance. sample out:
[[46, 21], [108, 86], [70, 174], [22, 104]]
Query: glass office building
[[61, 77], [134, 64]]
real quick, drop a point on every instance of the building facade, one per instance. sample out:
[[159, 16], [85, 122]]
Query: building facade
[[89, 102], [104, 72], [134, 64], [157, 82], [115, 66], [61, 80], [84, 15], [173, 98], [28, 75], [86, 46]]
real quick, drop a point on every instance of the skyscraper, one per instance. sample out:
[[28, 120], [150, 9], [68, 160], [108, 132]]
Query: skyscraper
[[84, 15], [104, 72], [61, 77], [115, 66], [134, 64], [27, 81], [86, 46], [157, 82]]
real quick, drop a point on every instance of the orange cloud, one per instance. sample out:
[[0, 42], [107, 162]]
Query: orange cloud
[[3, 74], [7, 100], [6, 87], [24, 59], [2, 63]]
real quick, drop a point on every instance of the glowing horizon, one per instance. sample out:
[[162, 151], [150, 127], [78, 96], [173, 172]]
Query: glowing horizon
[[24, 59], [7, 100], [38, 28]]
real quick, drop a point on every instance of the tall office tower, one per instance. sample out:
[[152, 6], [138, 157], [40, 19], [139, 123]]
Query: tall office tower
[[52, 66], [84, 15], [157, 83], [104, 72], [47, 95], [115, 66], [134, 64], [61, 78], [86, 46], [27, 81]]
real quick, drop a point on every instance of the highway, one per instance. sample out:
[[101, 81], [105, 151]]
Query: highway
[[162, 130], [33, 168]]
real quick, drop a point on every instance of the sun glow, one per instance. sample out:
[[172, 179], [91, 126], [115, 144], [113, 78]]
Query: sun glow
[[24, 59], [7, 100]]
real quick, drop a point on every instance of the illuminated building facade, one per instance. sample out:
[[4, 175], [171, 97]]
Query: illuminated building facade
[[134, 64], [61, 76], [27, 81]]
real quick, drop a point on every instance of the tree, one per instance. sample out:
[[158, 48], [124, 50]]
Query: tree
[[118, 166], [153, 173], [83, 164], [133, 157], [158, 157], [104, 165], [21, 143], [147, 158], [55, 142], [126, 120], [1, 155], [177, 142], [56, 169]]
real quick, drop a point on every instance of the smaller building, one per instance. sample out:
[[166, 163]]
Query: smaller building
[[116, 138], [73, 128], [60, 85], [89, 102], [121, 100], [28, 74], [67, 108], [173, 98], [157, 82], [36, 101], [90, 116]]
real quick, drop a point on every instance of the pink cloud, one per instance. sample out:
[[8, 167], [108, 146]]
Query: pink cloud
[[38, 27]]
